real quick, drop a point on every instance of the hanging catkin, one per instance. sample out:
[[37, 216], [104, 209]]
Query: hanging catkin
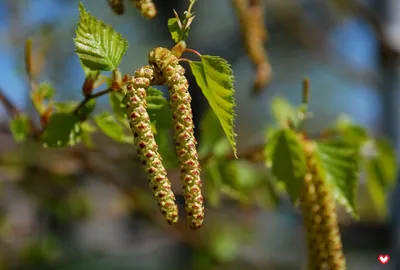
[[147, 147], [318, 207], [174, 75], [117, 6], [146, 8]]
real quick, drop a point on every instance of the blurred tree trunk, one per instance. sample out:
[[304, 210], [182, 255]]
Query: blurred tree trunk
[[390, 68]]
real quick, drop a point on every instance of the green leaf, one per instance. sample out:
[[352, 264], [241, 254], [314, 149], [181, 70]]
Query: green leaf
[[215, 78], [167, 149], [386, 163], [381, 172], [289, 165], [43, 93], [175, 30], [20, 127], [282, 111], [45, 90], [97, 44], [161, 118], [214, 181], [117, 101], [375, 189], [211, 133], [87, 129], [155, 99], [109, 125], [87, 109], [338, 165], [65, 106], [59, 129], [350, 132]]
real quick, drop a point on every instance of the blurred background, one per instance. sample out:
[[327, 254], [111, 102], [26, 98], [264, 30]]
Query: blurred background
[[66, 209]]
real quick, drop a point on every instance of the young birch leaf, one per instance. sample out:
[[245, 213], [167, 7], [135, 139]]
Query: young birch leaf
[[97, 44], [338, 165], [118, 107], [283, 111], [385, 163], [59, 129], [109, 125], [289, 164], [66, 106], [155, 99], [87, 129], [174, 29], [381, 174], [41, 95], [215, 78], [20, 127]]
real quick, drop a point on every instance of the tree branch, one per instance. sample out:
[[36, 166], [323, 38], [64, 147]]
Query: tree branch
[[89, 97], [9, 106]]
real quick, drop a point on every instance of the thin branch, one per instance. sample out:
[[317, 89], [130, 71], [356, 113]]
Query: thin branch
[[193, 51], [89, 97], [9, 106]]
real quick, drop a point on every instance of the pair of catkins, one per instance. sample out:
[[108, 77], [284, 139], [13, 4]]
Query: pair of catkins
[[146, 7], [164, 68]]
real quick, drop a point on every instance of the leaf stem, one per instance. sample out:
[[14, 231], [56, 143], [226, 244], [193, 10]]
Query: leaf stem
[[184, 60], [193, 51], [89, 97]]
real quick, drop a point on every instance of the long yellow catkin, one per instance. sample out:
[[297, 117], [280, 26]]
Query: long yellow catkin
[[318, 206], [174, 76], [147, 147]]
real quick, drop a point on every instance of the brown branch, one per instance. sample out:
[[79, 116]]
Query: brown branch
[[89, 97], [9, 106]]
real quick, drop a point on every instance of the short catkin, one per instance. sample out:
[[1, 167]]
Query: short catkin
[[318, 206], [173, 75], [117, 6], [146, 8], [147, 147]]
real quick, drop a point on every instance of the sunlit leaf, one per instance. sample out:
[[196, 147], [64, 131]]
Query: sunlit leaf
[[285, 150], [65, 106], [20, 127], [338, 165], [155, 99], [87, 129], [97, 44], [109, 125], [59, 129], [283, 111], [174, 30], [211, 133], [87, 109], [215, 78]]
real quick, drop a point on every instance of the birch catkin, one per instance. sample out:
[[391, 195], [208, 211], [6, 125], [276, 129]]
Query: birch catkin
[[117, 6], [173, 74], [146, 8], [147, 147], [318, 207]]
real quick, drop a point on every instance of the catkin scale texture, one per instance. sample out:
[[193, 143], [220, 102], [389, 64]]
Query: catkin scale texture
[[146, 8], [147, 147], [317, 256], [318, 207], [174, 76]]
